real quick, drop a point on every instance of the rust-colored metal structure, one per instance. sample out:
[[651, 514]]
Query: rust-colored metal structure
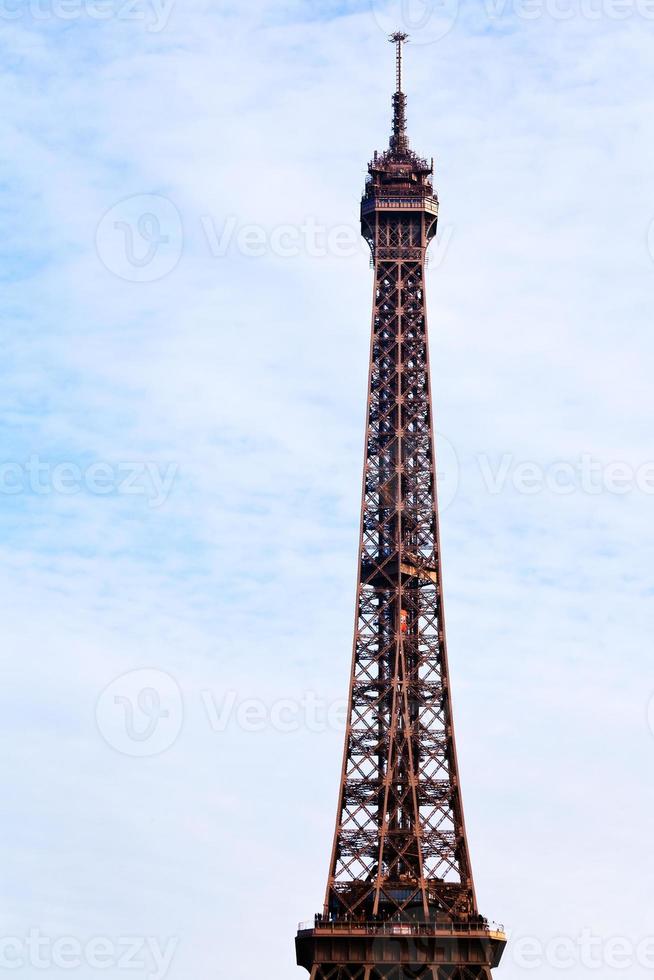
[[400, 898]]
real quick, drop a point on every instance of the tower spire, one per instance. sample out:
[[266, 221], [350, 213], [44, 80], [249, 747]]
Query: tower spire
[[399, 142]]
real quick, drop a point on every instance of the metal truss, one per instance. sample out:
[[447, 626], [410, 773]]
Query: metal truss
[[400, 900], [398, 971], [400, 840]]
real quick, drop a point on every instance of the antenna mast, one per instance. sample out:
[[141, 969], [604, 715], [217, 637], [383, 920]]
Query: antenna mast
[[399, 141]]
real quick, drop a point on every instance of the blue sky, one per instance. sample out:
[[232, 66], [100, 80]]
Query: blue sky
[[182, 438]]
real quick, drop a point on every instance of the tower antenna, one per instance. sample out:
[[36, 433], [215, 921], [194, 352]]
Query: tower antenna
[[399, 142], [398, 38]]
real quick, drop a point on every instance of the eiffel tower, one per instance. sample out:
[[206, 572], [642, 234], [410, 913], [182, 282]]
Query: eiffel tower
[[400, 900]]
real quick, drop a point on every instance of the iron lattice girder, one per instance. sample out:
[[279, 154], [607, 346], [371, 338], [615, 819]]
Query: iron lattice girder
[[400, 815], [400, 855]]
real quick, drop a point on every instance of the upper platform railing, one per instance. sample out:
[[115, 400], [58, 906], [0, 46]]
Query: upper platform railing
[[478, 927], [399, 202]]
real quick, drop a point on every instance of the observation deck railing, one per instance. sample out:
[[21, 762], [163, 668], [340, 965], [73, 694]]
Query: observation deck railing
[[326, 927], [399, 202]]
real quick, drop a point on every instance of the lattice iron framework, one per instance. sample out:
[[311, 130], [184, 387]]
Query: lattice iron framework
[[400, 855]]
